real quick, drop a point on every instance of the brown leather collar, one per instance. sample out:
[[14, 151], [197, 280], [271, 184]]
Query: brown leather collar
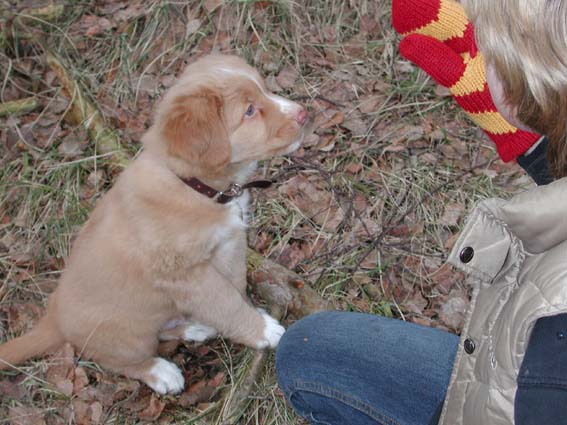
[[233, 191]]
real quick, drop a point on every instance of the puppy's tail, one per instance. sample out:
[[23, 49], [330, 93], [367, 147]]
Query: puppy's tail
[[45, 336]]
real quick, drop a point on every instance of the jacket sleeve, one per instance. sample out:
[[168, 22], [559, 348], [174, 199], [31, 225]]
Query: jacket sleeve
[[541, 397]]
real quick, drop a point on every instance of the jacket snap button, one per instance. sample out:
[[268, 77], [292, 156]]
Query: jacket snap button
[[469, 346], [467, 254]]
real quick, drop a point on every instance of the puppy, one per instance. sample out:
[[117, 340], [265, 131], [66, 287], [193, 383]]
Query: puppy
[[162, 255]]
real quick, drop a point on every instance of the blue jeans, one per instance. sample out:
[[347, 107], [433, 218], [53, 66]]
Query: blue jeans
[[339, 368]]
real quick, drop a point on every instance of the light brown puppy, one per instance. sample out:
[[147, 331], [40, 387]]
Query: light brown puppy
[[159, 260]]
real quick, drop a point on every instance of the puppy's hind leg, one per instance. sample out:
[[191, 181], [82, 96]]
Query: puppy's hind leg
[[187, 330], [131, 350], [160, 375]]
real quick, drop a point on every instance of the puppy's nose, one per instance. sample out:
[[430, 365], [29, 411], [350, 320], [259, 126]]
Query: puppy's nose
[[301, 116]]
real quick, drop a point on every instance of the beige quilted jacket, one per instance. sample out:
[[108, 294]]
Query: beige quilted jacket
[[515, 253]]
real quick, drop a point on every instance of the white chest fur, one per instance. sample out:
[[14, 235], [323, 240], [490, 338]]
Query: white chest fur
[[238, 212]]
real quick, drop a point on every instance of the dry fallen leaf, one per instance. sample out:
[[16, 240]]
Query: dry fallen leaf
[[70, 147], [13, 389], [197, 393], [316, 204], [293, 254], [450, 242], [356, 125], [452, 312], [96, 412], [416, 303], [326, 143], [287, 77], [61, 369], [212, 5], [369, 25], [24, 415], [354, 168], [81, 380], [370, 104], [81, 412], [153, 410], [371, 260], [21, 317], [452, 214], [272, 84], [217, 379], [94, 25], [192, 27], [337, 118]]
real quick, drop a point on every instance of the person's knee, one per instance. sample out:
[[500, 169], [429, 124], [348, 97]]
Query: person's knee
[[293, 354]]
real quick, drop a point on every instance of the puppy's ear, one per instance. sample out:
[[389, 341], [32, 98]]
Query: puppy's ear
[[195, 129]]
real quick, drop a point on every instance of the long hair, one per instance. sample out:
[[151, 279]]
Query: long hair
[[526, 42]]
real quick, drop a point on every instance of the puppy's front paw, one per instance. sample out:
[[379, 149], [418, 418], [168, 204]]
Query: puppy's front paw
[[165, 378], [273, 331]]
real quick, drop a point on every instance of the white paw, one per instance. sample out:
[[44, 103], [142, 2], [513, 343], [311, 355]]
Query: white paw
[[165, 378], [273, 331], [198, 332]]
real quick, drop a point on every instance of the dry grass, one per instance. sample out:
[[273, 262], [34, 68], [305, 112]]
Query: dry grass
[[391, 160]]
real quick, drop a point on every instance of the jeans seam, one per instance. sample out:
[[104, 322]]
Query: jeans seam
[[335, 394]]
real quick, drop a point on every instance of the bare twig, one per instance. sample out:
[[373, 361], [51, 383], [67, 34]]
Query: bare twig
[[20, 106], [82, 112], [237, 399]]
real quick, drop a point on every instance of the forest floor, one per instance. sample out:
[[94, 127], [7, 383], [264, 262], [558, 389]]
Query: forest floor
[[366, 211]]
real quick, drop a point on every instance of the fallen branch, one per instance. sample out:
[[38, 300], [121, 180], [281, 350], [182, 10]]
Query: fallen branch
[[20, 106], [82, 112], [282, 287]]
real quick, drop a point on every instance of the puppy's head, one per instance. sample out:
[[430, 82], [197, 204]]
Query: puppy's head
[[220, 113]]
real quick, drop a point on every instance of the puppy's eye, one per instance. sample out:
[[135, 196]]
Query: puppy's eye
[[250, 112]]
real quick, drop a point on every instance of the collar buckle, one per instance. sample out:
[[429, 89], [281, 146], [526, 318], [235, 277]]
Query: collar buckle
[[233, 191]]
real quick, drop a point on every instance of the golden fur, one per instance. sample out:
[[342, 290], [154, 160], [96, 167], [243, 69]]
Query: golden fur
[[158, 260]]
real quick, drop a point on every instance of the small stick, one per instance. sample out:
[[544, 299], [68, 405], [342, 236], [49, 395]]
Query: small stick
[[236, 401], [20, 106], [82, 112]]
